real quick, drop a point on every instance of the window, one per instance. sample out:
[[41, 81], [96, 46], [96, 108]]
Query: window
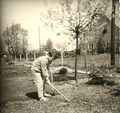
[[105, 29], [90, 46]]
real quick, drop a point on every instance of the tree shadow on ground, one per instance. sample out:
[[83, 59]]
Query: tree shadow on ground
[[115, 91], [33, 95]]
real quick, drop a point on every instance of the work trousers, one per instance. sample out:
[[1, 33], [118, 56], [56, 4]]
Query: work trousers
[[39, 82]]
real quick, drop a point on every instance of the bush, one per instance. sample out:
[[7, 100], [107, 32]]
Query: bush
[[100, 76], [100, 46], [118, 69], [63, 71]]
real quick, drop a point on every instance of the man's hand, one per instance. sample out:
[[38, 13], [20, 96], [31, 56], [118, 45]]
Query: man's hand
[[48, 82]]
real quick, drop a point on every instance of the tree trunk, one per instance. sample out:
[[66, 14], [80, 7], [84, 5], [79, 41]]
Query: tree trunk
[[62, 58], [85, 61], [20, 57], [113, 34], [15, 57], [119, 61], [85, 56], [76, 58], [34, 55], [12, 59], [26, 56]]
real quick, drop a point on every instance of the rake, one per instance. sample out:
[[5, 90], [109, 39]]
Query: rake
[[53, 88], [60, 93]]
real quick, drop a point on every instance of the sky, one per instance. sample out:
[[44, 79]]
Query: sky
[[28, 13]]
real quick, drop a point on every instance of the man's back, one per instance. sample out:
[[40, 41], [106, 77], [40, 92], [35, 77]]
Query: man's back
[[39, 61]]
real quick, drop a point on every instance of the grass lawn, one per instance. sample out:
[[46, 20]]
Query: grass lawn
[[97, 60], [19, 93]]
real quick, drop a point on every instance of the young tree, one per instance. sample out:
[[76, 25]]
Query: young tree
[[49, 45], [61, 47], [64, 45], [83, 18], [13, 37], [24, 46], [79, 17]]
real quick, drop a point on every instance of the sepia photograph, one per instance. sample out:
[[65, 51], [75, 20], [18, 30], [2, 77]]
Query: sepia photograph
[[59, 56]]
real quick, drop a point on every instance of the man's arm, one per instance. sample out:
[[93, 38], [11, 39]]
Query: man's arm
[[45, 72]]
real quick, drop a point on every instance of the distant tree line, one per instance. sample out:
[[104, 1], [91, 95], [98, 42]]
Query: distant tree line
[[14, 41]]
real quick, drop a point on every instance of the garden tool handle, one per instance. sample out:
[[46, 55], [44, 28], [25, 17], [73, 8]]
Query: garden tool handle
[[60, 92]]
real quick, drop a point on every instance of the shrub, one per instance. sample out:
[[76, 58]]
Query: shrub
[[63, 70], [118, 69], [100, 75], [100, 46]]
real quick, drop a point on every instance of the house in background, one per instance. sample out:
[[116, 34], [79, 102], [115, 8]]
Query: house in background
[[101, 41]]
